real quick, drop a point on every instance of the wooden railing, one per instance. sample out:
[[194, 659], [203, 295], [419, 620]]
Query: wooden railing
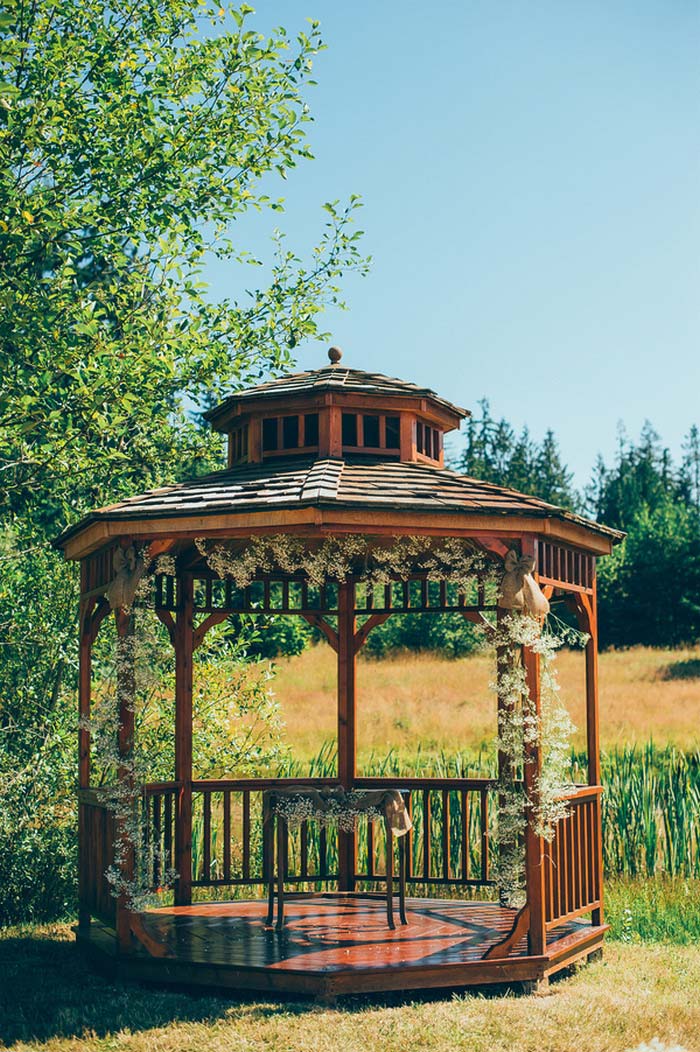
[[449, 843], [572, 861], [97, 835]]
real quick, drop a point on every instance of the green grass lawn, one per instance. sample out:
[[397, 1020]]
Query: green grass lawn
[[642, 989]]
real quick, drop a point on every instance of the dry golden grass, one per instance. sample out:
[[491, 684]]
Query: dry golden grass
[[50, 1000], [422, 699]]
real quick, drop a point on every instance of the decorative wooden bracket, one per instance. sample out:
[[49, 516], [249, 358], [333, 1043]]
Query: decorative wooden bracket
[[201, 630], [579, 603], [372, 621], [501, 949], [493, 545], [94, 614], [329, 632], [166, 618], [155, 948]]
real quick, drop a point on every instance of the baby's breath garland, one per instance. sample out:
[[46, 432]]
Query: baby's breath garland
[[452, 560], [520, 732]]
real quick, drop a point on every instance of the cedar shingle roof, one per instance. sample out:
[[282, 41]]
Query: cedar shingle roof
[[352, 483], [333, 378]]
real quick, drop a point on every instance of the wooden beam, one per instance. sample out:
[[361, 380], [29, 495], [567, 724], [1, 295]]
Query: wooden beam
[[347, 744], [184, 646], [322, 521]]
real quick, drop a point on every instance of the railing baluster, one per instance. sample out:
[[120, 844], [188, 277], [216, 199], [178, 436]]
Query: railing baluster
[[370, 850], [446, 834], [323, 853], [227, 834], [206, 848], [426, 834], [465, 834], [246, 835], [304, 850], [484, 836], [168, 831], [157, 842]]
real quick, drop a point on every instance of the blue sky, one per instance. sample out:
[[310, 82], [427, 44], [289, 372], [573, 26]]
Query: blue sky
[[530, 178]]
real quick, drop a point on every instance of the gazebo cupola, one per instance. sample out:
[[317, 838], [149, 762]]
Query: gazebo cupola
[[334, 413]]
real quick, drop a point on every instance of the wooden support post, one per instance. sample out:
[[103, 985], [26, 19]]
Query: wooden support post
[[534, 844], [587, 613], [347, 745], [126, 691], [84, 699], [183, 740]]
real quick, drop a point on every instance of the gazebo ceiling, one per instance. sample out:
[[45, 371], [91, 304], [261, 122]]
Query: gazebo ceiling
[[410, 494]]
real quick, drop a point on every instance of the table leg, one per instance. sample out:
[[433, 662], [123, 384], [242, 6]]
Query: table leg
[[281, 838], [390, 876], [269, 842], [402, 878]]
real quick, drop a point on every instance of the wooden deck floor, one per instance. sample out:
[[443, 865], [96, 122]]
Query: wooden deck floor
[[341, 944]]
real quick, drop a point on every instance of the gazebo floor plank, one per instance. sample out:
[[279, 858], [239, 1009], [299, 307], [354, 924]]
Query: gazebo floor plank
[[338, 944]]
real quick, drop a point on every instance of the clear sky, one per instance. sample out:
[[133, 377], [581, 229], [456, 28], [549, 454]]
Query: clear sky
[[530, 173]]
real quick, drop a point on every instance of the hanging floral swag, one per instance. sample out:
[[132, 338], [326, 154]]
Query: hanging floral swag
[[520, 733], [452, 560]]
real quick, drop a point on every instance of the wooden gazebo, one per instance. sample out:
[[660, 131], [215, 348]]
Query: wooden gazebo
[[334, 452]]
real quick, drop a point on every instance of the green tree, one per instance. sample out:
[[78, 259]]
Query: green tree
[[495, 453], [649, 588], [132, 141]]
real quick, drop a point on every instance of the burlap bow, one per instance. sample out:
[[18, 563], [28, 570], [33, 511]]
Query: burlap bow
[[129, 568], [519, 589]]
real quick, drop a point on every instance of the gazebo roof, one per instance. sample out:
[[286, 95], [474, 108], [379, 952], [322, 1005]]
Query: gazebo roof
[[360, 483]]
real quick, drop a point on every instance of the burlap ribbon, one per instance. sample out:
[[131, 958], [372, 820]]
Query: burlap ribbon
[[519, 590], [329, 803], [129, 568]]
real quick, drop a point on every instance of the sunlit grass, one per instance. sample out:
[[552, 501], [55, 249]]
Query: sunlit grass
[[446, 705], [51, 1000]]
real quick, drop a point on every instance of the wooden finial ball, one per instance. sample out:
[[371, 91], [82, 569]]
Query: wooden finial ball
[[334, 355]]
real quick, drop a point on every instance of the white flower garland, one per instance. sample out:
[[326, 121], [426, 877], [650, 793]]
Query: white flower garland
[[521, 731], [451, 560]]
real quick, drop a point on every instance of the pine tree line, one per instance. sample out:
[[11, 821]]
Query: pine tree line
[[649, 588]]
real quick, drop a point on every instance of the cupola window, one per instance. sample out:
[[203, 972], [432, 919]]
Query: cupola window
[[239, 445]]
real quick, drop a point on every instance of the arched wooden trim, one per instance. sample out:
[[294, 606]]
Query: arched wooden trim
[[499, 950]]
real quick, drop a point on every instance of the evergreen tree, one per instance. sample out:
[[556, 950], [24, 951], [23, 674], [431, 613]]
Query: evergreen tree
[[496, 454]]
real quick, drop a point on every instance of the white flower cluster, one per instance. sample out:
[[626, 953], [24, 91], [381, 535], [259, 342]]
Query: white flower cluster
[[344, 815]]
